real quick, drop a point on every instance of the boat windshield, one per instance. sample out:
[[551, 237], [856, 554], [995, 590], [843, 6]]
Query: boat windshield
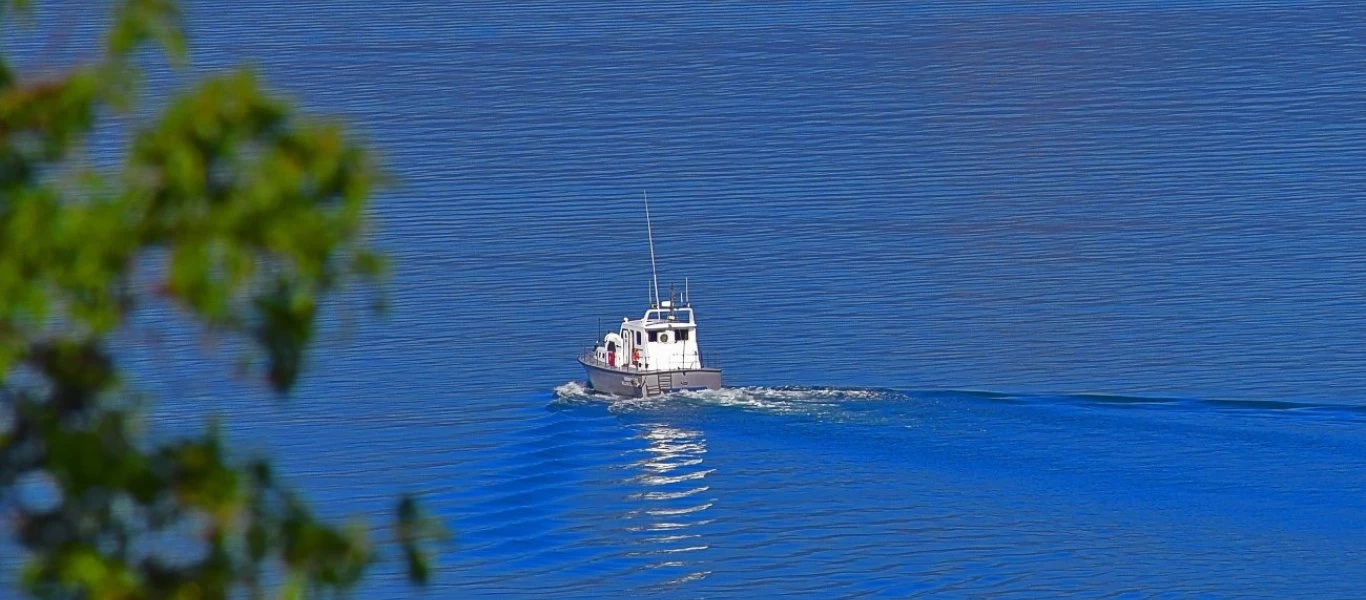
[[680, 315]]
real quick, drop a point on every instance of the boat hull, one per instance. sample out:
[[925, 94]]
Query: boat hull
[[637, 383]]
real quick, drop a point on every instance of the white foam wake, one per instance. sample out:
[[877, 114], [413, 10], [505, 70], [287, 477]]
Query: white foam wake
[[766, 399], [572, 390]]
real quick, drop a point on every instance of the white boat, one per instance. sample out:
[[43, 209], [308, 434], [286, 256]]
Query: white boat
[[655, 354]]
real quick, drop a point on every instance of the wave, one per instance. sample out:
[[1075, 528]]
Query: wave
[[1154, 403], [789, 399], [1126, 402], [809, 400], [573, 390]]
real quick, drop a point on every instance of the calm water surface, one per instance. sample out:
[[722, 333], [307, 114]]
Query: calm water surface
[[1018, 298]]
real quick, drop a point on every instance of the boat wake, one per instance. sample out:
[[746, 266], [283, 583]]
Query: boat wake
[[783, 400], [835, 402]]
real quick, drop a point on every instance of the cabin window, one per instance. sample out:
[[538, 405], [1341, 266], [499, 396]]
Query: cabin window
[[638, 340], [654, 336], [681, 335]]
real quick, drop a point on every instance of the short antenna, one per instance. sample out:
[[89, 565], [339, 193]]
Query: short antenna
[[649, 231]]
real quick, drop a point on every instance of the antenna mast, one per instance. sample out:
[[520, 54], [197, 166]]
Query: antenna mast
[[650, 232]]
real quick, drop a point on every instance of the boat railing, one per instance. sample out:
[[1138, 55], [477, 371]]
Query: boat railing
[[710, 360], [589, 355]]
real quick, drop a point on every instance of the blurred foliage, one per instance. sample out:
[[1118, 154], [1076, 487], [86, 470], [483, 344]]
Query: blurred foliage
[[230, 206]]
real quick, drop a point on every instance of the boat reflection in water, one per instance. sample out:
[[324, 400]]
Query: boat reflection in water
[[672, 501]]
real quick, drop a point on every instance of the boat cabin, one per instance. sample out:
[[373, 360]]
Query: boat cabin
[[665, 339]]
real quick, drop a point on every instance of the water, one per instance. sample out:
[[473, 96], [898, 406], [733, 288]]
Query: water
[[1017, 299]]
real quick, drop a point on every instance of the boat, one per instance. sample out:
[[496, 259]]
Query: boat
[[654, 355]]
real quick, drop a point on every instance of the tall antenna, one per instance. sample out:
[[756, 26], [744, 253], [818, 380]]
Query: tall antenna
[[650, 232]]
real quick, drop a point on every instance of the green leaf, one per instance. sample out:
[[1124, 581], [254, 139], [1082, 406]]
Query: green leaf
[[232, 206], [415, 530], [138, 21]]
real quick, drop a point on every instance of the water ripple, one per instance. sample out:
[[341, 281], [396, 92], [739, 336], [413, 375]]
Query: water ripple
[[1136, 225]]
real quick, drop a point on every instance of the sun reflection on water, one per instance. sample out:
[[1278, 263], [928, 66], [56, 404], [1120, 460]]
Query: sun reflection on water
[[672, 502]]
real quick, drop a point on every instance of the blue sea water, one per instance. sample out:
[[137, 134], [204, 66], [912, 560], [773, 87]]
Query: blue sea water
[[1015, 299]]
